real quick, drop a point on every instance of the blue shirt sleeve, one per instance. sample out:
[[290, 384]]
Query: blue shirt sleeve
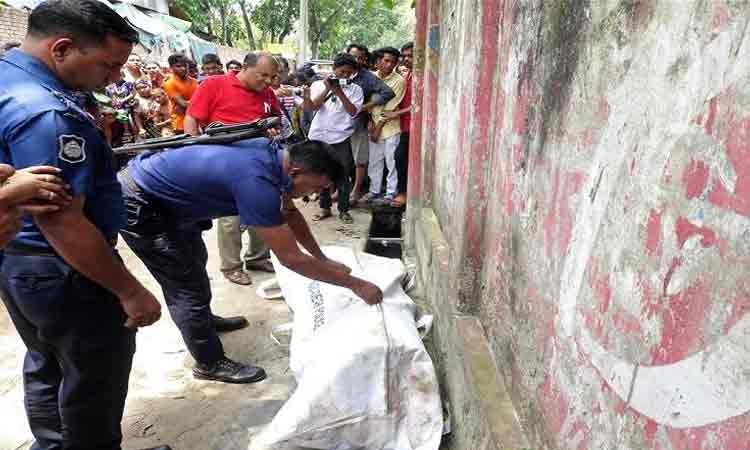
[[60, 139], [258, 202]]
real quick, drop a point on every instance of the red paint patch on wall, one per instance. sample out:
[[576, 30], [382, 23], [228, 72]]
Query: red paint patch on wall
[[627, 323], [650, 429], [720, 17], [521, 110], [695, 178], [738, 152], [650, 300], [653, 233], [686, 229], [555, 404], [580, 427], [682, 324], [602, 113], [558, 224], [712, 107], [691, 439]]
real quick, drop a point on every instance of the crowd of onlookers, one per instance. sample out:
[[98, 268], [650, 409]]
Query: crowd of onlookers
[[361, 107]]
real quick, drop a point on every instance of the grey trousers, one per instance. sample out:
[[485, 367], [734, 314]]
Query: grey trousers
[[230, 244]]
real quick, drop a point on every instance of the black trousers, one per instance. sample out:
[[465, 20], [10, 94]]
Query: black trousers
[[402, 162], [343, 152], [79, 354], [176, 256]]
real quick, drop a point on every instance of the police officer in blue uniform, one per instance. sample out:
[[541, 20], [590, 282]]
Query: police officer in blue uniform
[[71, 299], [167, 193]]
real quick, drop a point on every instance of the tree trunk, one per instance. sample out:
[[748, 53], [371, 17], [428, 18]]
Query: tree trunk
[[208, 22], [223, 17], [248, 26]]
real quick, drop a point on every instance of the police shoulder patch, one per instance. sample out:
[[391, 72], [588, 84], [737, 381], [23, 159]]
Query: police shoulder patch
[[72, 148]]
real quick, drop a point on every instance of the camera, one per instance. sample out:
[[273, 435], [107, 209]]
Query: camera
[[338, 81]]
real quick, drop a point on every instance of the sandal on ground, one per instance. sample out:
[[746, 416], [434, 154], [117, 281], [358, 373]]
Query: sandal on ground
[[322, 215], [238, 277], [346, 217]]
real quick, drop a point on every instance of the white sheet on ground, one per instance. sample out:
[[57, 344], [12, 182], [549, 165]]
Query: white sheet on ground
[[364, 379]]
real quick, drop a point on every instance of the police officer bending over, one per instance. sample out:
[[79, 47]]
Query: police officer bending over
[[71, 299], [167, 192]]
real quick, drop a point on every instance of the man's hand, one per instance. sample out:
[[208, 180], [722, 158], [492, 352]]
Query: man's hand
[[338, 266], [390, 115], [371, 294], [142, 309], [35, 190]]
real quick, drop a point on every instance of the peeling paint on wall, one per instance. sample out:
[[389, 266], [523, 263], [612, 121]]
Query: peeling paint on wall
[[601, 230]]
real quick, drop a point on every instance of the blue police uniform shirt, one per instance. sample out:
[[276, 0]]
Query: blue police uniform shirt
[[40, 124], [202, 182]]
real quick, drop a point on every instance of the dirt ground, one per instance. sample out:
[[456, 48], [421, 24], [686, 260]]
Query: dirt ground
[[165, 404]]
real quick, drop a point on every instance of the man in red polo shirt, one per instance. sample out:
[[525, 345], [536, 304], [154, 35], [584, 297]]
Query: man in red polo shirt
[[231, 99]]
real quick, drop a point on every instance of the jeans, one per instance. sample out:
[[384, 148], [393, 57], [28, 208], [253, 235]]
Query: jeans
[[343, 153], [79, 354]]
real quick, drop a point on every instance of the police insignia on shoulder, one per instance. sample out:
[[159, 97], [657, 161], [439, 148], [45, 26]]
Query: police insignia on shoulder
[[72, 148]]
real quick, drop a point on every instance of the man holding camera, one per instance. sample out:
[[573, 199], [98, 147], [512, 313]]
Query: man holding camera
[[337, 102]]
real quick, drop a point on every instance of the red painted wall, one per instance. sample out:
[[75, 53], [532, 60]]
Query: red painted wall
[[589, 166]]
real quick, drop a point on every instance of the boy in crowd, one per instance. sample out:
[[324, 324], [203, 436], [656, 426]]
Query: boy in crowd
[[179, 88], [211, 66], [234, 66]]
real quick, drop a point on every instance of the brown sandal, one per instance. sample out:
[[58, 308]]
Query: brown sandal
[[238, 277]]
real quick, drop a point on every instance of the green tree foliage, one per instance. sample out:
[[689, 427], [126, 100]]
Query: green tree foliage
[[276, 19], [335, 24], [220, 18]]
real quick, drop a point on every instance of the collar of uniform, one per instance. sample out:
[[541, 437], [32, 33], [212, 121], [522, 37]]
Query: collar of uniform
[[34, 67]]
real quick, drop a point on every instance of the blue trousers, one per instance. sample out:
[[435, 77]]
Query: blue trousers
[[176, 256], [79, 354]]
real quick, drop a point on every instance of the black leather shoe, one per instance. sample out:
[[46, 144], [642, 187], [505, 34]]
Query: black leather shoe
[[228, 371], [223, 324], [163, 447]]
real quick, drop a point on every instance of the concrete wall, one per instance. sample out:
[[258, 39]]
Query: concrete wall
[[580, 193], [12, 24]]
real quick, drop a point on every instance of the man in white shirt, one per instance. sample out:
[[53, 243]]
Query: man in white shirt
[[337, 101]]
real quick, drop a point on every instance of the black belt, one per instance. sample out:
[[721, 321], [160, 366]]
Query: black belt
[[16, 248]]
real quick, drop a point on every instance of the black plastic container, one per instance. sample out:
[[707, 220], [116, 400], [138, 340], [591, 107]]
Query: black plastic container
[[384, 236]]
